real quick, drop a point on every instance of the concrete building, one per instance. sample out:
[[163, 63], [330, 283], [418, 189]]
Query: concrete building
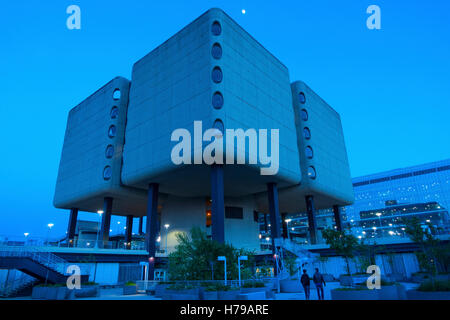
[[117, 153]]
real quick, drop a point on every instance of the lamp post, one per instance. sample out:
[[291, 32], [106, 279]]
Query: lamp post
[[287, 227], [50, 225], [224, 259], [241, 258], [166, 226], [100, 212], [26, 234]]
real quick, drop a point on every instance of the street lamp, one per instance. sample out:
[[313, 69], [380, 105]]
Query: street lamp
[[378, 214], [100, 212], [241, 258], [224, 259], [287, 226], [166, 226], [50, 225]]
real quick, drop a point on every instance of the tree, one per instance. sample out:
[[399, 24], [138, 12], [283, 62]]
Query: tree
[[195, 258], [430, 246], [344, 244]]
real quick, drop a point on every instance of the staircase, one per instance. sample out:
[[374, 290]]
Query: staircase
[[38, 265], [304, 257], [20, 286]]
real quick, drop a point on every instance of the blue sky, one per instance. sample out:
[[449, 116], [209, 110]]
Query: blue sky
[[391, 86]]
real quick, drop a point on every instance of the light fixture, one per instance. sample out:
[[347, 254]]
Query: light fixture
[[50, 225], [167, 226], [243, 11], [99, 211], [26, 234]]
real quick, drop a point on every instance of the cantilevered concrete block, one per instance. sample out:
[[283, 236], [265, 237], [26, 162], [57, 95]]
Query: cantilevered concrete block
[[91, 158], [214, 72], [323, 156]]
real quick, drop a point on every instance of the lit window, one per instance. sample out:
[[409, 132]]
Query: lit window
[[116, 94], [114, 112], [216, 51], [217, 100], [306, 133], [302, 98], [217, 75], [109, 153], [107, 173], [311, 172], [112, 131], [309, 152], [304, 115], [216, 28]]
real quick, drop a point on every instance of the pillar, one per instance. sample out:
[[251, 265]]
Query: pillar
[[128, 231], [272, 192], [151, 228], [141, 221], [337, 218], [106, 220], [217, 204], [311, 218], [284, 225], [72, 225]]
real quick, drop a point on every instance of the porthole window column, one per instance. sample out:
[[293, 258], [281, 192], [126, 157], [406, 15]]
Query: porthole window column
[[337, 218], [72, 225], [272, 193], [151, 227]]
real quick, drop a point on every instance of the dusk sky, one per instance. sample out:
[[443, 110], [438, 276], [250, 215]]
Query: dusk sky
[[390, 86]]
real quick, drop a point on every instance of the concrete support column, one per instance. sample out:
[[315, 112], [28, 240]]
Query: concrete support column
[[141, 222], [311, 218], [106, 220], [272, 192], [218, 204], [337, 217], [151, 228], [284, 225], [128, 231], [72, 225]]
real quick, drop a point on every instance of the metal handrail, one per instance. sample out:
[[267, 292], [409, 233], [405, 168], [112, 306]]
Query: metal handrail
[[36, 254]]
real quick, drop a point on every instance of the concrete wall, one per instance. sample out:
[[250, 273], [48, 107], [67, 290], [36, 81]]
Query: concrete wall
[[184, 213]]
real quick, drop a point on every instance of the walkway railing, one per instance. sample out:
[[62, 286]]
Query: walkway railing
[[44, 258]]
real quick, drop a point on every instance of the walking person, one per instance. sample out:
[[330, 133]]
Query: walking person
[[306, 281], [319, 282]]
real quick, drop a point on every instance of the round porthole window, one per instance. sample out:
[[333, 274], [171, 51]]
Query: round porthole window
[[216, 28], [217, 100], [217, 75], [114, 112], [116, 94], [109, 153], [309, 152], [216, 51], [302, 98], [306, 133], [218, 124], [304, 114], [112, 131], [311, 172], [107, 173]]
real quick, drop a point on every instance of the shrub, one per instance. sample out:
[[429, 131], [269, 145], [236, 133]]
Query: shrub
[[181, 286], [130, 283], [253, 284], [432, 286]]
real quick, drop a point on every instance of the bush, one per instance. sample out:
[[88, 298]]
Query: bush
[[253, 284], [181, 286], [430, 286], [130, 283]]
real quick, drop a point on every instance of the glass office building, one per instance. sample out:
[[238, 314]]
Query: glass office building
[[383, 203]]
